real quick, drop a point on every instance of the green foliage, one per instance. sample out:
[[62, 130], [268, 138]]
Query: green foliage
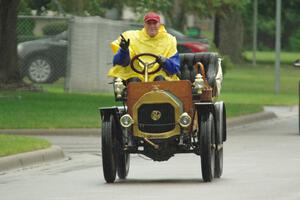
[[90, 7], [266, 23], [24, 8], [226, 64], [55, 28], [94, 8], [294, 41]]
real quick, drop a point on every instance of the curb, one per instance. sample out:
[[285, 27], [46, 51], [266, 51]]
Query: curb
[[23, 160], [247, 119]]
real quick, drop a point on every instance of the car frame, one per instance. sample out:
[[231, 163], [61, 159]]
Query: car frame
[[162, 118]]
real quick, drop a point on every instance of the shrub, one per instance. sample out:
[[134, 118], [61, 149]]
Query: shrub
[[55, 28], [294, 41], [226, 64]]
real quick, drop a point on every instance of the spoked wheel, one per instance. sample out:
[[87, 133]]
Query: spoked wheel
[[220, 134], [123, 158], [123, 164], [108, 149], [207, 145], [219, 156]]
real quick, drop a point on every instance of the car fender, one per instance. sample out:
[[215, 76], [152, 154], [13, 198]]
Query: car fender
[[221, 118]]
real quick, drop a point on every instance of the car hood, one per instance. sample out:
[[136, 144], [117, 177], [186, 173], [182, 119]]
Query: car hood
[[28, 47]]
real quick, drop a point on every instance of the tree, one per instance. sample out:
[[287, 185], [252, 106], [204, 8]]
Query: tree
[[39, 5], [9, 72], [266, 24]]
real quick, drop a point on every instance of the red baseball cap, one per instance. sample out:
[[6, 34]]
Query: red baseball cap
[[151, 16]]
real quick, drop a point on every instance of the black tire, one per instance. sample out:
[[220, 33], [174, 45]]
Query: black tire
[[207, 145], [40, 69], [108, 149], [219, 155], [123, 160], [220, 137]]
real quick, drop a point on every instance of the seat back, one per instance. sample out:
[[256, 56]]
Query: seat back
[[188, 70]]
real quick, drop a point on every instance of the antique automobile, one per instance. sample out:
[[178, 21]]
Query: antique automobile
[[162, 118]]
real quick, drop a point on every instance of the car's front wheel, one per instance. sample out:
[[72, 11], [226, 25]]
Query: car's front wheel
[[109, 143], [207, 145], [40, 69]]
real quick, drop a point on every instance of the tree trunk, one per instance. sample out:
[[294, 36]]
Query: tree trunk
[[176, 16], [217, 30], [231, 36], [9, 72]]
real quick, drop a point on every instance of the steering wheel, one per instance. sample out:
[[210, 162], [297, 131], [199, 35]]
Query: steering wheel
[[148, 65]]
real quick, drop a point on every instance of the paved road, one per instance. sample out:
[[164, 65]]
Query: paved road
[[262, 161]]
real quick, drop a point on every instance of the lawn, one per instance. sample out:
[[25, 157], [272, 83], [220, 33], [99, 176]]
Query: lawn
[[51, 109], [10, 144], [245, 90], [269, 57]]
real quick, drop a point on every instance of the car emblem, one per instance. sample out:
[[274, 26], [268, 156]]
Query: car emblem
[[155, 115]]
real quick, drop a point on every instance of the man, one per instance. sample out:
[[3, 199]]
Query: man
[[153, 38]]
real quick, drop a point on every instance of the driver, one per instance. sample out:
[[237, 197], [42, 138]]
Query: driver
[[153, 38]]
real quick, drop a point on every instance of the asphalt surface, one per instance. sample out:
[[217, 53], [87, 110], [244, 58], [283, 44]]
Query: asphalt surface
[[261, 161]]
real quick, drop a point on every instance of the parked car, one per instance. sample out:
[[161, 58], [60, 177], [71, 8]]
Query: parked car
[[187, 44], [297, 63], [45, 60]]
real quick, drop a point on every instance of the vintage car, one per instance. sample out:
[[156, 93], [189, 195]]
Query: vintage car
[[162, 118]]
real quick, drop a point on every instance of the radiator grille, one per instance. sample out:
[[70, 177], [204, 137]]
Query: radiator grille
[[156, 118]]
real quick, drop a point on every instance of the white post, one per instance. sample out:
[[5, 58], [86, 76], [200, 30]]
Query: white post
[[254, 32], [278, 46]]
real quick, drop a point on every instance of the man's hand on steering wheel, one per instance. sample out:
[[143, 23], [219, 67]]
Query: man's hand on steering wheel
[[161, 60]]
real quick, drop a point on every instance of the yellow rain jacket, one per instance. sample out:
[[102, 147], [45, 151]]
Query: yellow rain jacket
[[163, 44]]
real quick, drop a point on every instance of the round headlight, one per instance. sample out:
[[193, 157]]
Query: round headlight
[[126, 120], [185, 120]]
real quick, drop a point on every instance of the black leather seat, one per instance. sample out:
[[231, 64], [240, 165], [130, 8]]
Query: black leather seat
[[208, 59]]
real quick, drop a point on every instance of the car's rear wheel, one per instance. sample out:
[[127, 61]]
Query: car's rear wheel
[[40, 69], [220, 137], [207, 145], [108, 149]]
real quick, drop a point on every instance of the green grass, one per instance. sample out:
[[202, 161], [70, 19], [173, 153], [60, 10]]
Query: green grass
[[10, 144], [245, 90], [51, 109], [248, 89], [269, 57]]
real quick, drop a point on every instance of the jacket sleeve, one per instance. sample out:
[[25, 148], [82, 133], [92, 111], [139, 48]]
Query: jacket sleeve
[[121, 58], [172, 64]]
